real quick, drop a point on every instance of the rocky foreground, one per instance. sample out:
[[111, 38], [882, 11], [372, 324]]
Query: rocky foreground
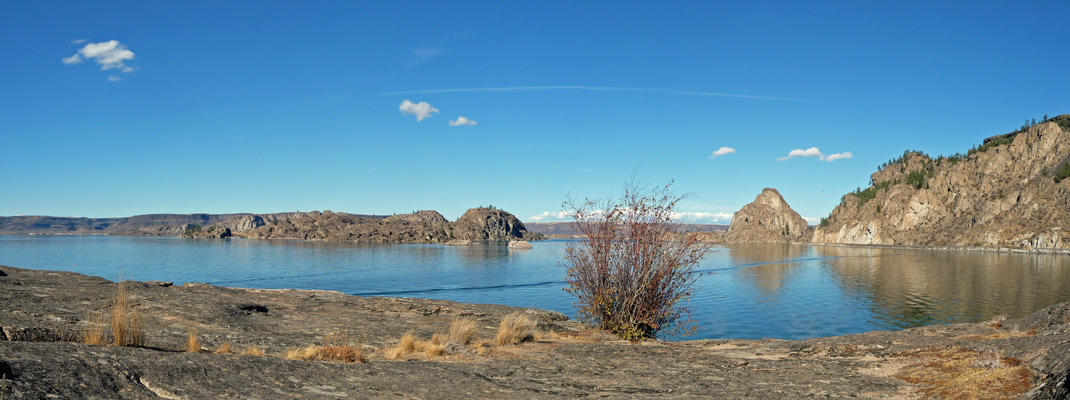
[[43, 315]]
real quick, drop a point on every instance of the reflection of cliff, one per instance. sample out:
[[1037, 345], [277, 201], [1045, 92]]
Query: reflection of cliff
[[915, 287], [770, 277]]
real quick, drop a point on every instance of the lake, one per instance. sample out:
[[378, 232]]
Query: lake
[[747, 291]]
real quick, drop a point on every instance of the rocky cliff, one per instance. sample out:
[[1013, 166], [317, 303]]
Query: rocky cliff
[[768, 219], [1009, 192]]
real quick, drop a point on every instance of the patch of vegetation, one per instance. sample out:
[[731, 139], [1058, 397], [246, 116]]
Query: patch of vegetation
[[918, 178], [1062, 173], [194, 228], [824, 222]]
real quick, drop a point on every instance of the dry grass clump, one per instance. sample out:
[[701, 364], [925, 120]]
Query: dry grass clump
[[93, 332], [253, 351], [516, 328], [127, 329], [337, 348], [958, 373], [224, 348], [192, 344], [406, 346], [462, 329]]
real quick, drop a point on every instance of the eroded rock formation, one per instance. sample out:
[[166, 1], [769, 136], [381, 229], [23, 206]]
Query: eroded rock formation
[[769, 219]]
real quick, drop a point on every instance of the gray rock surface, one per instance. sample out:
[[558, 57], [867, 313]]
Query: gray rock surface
[[564, 360]]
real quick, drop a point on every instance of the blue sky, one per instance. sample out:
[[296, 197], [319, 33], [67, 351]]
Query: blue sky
[[284, 106]]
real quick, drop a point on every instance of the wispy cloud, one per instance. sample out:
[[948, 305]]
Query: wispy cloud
[[79, 41], [838, 156], [421, 110], [114, 78], [812, 220], [461, 121], [110, 55], [741, 96], [811, 152], [592, 88], [722, 151], [421, 55]]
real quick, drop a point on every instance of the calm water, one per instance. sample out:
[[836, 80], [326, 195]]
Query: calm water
[[753, 291]]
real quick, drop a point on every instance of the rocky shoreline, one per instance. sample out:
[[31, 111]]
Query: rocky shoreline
[[42, 311]]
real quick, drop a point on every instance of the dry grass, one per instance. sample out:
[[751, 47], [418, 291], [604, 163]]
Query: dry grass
[[958, 373], [127, 329], [337, 349], [435, 350], [224, 348], [438, 339], [192, 344], [406, 346], [253, 351], [516, 328], [997, 321], [462, 329], [93, 332]]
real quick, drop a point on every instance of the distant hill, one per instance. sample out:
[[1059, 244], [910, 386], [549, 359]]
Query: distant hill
[[424, 226], [1011, 191], [563, 230]]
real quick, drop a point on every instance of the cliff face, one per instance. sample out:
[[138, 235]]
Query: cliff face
[[1010, 192], [768, 219]]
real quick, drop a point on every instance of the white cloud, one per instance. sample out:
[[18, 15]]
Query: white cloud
[[110, 55], [838, 156], [552, 216], [812, 220], [79, 41], [811, 152], [462, 121], [722, 151], [702, 217], [421, 110], [114, 78]]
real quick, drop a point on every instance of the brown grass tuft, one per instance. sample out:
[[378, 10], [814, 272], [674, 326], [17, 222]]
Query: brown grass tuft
[[462, 329], [224, 348], [435, 350], [516, 328], [438, 339], [959, 373], [127, 328], [93, 332], [406, 346], [192, 345], [337, 349], [253, 351]]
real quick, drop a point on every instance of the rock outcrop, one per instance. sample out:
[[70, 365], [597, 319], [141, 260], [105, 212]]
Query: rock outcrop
[[490, 224], [768, 219], [1010, 192]]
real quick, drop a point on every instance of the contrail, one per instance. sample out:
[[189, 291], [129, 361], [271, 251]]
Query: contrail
[[622, 89]]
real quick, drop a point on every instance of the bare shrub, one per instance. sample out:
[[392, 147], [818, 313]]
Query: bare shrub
[[462, 329], [634, 268], [516, 328]]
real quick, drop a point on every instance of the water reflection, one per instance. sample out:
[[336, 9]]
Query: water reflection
[[917, 287]]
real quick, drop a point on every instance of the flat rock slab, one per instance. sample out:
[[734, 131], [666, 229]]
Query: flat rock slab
[[41, 310]]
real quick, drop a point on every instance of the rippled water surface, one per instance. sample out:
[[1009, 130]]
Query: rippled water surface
[[748, 291]]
